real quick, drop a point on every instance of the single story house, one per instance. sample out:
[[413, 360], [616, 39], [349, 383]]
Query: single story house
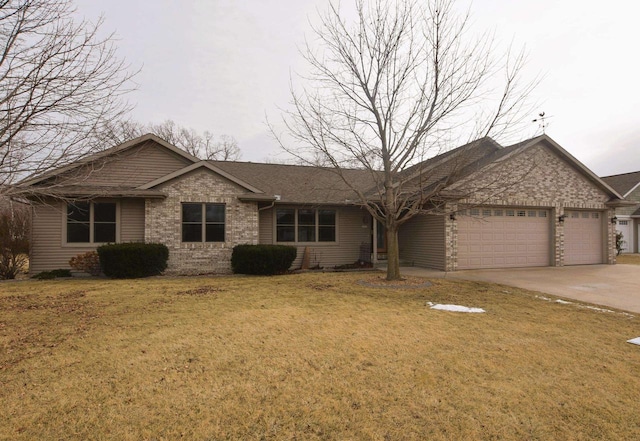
[[530, 204], [628, 222]]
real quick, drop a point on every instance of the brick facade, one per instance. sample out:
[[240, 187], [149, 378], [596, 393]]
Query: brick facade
[[163, 220], [535, 178]]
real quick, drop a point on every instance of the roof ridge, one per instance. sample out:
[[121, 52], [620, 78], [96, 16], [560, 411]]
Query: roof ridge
[[285, 165]]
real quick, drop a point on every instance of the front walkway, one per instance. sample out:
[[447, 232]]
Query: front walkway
[[616, 286]]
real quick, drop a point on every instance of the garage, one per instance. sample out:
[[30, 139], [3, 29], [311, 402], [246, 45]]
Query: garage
[[583, 238], [503, 238]]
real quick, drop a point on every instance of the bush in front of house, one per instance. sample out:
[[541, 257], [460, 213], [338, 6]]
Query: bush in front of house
[[53, 274], [88, 262], [133, 260], [264, 260]]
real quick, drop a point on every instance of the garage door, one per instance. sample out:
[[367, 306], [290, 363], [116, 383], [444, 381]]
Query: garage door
[[582, 237], [502, 238]]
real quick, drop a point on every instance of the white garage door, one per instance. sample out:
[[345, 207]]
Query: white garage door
[[502, 238], [582, 238]]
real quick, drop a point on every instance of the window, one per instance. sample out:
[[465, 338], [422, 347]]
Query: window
[[326, 225], [497, 212], [623, 222], [486, 213], [91, 222], [542, 214], [521, 213], [305, 225], [531, 213], [203, 222]]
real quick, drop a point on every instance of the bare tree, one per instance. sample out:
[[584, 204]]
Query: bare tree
[[60, 82], [203, 146], [15, 228], [397, 86]]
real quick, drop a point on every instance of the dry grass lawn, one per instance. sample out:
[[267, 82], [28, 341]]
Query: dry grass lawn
[[309, 357], [628, 259]]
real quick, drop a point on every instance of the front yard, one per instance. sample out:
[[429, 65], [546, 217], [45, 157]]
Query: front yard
[[312, 356]]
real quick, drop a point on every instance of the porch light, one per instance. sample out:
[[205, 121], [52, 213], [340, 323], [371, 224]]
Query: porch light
[[614, 219], [561, 218], [452, 216]]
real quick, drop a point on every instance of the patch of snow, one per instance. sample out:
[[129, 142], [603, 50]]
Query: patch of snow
[[595, 308], [547, 299], [635, 341], [455, 308], [563, 302]]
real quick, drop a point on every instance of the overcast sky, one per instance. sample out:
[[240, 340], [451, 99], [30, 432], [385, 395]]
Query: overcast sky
[[222, 65]]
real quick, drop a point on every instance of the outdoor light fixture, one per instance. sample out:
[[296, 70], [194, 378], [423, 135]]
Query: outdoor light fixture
[[614, 219], [452, 216], [561, 218]]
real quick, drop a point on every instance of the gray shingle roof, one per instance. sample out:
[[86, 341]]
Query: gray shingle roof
[[624, 182], [299, 184]]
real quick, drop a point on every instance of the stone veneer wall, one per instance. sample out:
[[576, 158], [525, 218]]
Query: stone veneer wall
[[163, 223], [537, 177]]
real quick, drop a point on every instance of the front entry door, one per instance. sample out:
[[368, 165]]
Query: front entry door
[[381, 238]]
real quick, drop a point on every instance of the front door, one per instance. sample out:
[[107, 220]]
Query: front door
[[381, 238]]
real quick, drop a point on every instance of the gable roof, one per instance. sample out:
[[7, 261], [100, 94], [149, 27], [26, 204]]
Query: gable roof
[[321, 185], [105, 153], [624, 183], [515, 149], [200, 164]]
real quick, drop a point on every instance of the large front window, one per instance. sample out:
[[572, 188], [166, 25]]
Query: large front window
[[203, 222], [305, 225], [91, 222]]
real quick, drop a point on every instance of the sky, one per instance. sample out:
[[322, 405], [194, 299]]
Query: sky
[[225, 66]]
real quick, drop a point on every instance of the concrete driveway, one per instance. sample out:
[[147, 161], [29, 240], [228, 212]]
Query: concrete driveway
[[616, 286]]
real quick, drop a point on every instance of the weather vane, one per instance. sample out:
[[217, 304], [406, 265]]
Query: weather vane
[[542, 121]]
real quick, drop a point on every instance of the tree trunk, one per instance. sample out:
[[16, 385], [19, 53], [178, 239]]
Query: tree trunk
[[393, 253]]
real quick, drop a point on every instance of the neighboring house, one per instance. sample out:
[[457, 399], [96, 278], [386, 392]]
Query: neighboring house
[[530, 204], [628, 222]]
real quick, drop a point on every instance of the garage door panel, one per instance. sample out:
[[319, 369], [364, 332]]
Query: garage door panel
[[504, 241], [583, 238]]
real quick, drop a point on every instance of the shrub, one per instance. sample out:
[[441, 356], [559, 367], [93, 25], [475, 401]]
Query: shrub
[[47, 275], [262, 259], [15, 226], [88, 262], [619, 243], [131, 260]]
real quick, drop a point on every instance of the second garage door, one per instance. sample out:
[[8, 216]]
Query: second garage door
[[503, 238], [582, 238]]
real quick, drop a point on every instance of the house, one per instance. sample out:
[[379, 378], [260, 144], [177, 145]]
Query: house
[[530, 204], [628, 222]]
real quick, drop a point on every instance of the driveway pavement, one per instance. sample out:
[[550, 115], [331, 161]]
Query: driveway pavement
[[616, 286]]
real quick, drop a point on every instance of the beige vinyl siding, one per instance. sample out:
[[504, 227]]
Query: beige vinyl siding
[[350, 234], [131, 168], [265, 226], [132, 220], [422, 241], [48, 251], [633, 196]]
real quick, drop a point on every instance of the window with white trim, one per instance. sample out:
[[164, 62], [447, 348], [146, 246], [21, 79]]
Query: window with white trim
[[91, 222], [202, 222], [305, 225]]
